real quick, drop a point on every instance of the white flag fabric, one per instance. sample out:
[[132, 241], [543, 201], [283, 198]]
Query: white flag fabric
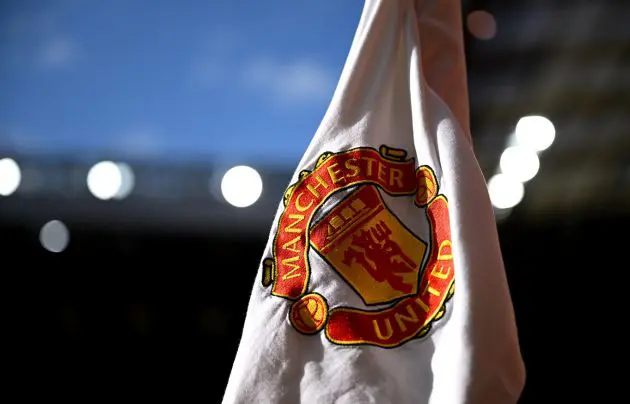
[[382, 280]]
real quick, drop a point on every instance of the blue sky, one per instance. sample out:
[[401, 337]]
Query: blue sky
[[232, 80]]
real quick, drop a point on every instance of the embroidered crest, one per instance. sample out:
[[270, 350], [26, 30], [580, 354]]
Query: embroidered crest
[[371, 249]]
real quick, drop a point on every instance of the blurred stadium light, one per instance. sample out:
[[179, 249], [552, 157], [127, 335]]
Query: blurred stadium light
[[481, 24], [10, 176], [519, 162], [151, 194], [505, 192], [54, 236], [536, 132], [110, 180], [241, 186]]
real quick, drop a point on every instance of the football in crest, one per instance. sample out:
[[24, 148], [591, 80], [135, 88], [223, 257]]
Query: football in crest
[[309, 314], [427, 186]]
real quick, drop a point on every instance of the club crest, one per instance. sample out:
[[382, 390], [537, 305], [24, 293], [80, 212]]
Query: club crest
[[408, 280]]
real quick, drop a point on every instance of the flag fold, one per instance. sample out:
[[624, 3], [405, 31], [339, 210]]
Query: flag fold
[[382, 280]]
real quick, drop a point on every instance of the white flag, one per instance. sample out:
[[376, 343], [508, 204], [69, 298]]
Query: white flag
[[382, 281]]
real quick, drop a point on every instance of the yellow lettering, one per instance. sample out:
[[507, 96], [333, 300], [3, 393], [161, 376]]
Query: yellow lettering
[[395, 176], [290, 228], [370, 161], [440, 271], [313, 188], [388, 327], [291, 245], [422, 304], [334, 173], [412, 318], [431, 290], [381, 171], [444, 257], [351, 165], [293, 273], [298, 205]]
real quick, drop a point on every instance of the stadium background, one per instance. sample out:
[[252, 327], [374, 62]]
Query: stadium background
[[135, 283]]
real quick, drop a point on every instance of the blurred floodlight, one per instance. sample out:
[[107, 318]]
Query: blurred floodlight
[[481, 24], [536, 132], [519, 162], [10, 176], [104, 180], [54, 236], [505, 192], [241, 186], [127, 181], [109, 180]]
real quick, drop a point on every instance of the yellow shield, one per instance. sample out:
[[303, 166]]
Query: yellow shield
[[370, 247]]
